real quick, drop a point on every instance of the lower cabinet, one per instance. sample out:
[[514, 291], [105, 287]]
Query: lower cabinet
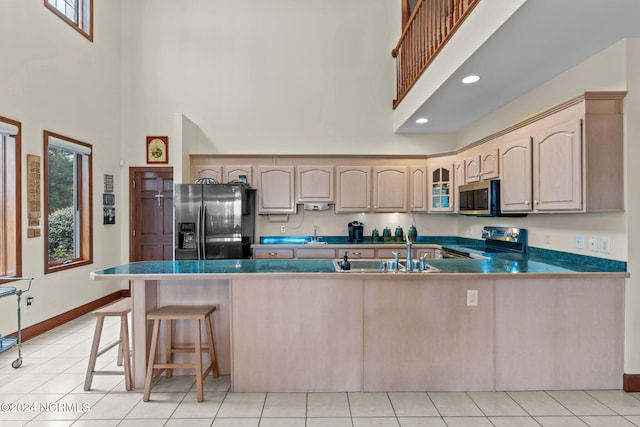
[[266, 253]]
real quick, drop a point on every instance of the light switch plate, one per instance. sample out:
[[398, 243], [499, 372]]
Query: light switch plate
[[579, 242], [593, 244], [605, 245]]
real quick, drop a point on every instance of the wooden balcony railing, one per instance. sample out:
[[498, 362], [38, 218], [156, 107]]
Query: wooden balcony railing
[[430, 26]]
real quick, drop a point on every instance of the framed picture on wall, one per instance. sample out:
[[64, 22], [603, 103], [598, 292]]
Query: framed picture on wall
[[109, 215], [157, 149]]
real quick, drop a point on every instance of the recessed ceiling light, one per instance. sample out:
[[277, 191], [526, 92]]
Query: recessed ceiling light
[[470, 79], [422, 120]]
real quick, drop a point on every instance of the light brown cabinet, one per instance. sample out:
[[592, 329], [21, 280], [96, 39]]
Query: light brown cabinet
[[557, 165], [353, 188], [271, 253], [418, 189], [315, 184], [390, 185], [276, 190], [458, 180], [567, 160], [516, 185], [202, 172], [223, 174], [481, 167]]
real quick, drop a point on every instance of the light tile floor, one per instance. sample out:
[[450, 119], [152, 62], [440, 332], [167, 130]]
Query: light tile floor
[[48, 391]]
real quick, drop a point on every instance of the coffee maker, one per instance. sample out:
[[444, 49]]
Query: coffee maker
[[356, 231]]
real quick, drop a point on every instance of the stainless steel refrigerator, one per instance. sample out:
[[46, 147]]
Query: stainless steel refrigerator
[[213, 221]]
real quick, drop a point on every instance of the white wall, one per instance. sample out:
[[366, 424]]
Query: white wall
[[55, 79]]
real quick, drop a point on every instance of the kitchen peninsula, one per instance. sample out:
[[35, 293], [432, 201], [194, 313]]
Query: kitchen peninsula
[[300, 325]]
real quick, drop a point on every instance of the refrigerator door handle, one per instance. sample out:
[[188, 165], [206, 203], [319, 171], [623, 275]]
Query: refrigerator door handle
[[203, 232], [198, 232]]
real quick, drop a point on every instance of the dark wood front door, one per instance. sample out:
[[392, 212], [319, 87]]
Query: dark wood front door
[[151, 214]]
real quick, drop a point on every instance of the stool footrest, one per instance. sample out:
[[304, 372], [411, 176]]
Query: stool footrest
[[108, 372], [186, 349]]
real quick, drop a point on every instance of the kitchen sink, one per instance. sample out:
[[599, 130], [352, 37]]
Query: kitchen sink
[[315, 242], [377, 266], [367, 265]]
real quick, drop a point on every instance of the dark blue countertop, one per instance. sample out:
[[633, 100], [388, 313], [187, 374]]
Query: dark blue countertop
[[496, 264], [554, 261]]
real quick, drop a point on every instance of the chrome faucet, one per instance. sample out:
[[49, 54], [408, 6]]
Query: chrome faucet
[[396, 259], [315, 232], [409, 266]]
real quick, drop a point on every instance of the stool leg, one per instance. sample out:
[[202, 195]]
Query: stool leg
[[126, 352], [168, 345], [94, 353], [152, 357], [212, 346], [198, 349]]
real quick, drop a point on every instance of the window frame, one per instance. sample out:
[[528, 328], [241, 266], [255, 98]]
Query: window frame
[[11, 203], [85, 202], [85, 17]]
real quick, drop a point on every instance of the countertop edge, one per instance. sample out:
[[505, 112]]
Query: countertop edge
[[359, 276]]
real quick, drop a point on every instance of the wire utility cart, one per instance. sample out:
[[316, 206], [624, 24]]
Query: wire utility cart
[[8, 342]]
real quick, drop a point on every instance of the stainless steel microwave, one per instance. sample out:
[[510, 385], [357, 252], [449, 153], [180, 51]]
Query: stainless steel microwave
[[480, 198]]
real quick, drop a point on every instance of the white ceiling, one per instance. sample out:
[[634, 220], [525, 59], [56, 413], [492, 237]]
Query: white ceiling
[[542, 39]]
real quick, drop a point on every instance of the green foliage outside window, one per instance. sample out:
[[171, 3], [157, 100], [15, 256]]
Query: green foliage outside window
[[61, 205]]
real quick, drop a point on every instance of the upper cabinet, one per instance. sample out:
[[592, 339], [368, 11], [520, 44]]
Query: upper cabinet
[[568, 160], [440, 187], [222, 174], [458, 180], [516, 184], [354, 189], [418, 189], [276, 190], [201, 172], [390, 185], [481, 167], [315, 184], [557, 162], [234, 173]]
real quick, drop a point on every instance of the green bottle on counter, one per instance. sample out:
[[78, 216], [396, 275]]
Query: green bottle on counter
[[386, 234], [375, 235], [399, 233], [412, 233]]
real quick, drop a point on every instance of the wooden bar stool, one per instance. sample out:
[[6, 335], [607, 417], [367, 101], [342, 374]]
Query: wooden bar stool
[[119, 308], [170, 313]]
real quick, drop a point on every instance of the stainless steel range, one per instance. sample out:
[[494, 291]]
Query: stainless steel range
[[505, 239]]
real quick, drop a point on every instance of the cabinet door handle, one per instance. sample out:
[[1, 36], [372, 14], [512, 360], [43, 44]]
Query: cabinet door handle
[[535, 202], [526, 202], [273, 253], [356, 253]]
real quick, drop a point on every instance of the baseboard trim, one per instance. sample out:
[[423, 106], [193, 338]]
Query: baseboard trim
[[53, 322], [631, 383]]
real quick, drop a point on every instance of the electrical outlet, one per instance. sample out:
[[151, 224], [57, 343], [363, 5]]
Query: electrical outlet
[[593, 244], [472, 298], [579, 242], [605, 245], [283, 229]]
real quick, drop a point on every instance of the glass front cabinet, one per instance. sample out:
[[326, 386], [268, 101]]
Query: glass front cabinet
[[441, 188]]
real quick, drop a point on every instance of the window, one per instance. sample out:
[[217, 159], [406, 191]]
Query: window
[[10, 203], [67, 199], [77, 13]]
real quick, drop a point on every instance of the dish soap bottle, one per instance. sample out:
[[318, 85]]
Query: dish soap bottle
[[346, 265]]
